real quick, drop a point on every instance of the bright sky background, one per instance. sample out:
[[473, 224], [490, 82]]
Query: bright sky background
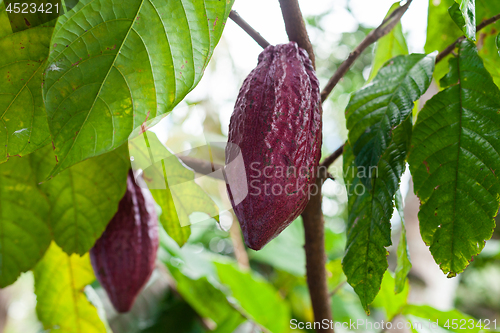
[[265, 17]]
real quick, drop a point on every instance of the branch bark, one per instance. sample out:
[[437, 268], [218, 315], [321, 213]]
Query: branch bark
[[383, 29], [233, 15], [452, 46], [295, 26], [312, 216]]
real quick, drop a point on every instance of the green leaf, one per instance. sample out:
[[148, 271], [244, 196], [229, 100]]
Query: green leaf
[[370, 211], [441, 317], [463, 13], [392, 303], [380, 107], [83, 198], [5, 27], [389, 46], [454, 162], [441, 33], [24, 210], [197, 291], [404, 264], [488, 38], [113, 65], [172, 185], [23, 121], [59, 286], [256, 297]]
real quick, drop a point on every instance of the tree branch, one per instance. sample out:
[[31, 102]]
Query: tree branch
[[312, 216], [383, 29], [295, 26], [443, 54], [248, 29]]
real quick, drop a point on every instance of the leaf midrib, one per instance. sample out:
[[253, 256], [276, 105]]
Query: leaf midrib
[[100, 88]]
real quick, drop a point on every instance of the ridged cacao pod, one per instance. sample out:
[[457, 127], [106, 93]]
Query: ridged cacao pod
[[277, 125], [124, 257]]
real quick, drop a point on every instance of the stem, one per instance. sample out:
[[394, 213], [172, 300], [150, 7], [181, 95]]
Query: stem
[[312, 216], [451, 47], [383, 29], [295, 26], [248, 29]]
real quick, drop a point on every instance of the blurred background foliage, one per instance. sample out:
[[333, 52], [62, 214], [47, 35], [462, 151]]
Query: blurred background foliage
[[206, 286]]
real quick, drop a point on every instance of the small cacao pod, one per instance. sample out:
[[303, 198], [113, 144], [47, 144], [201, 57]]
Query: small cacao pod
[[124, 257], [276, 125]]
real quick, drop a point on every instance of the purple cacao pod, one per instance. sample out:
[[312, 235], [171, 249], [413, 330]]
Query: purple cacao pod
[[124, 257], [276, 126]]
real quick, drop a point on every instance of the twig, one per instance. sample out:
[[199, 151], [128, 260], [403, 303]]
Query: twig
[[323, 167], [295, 26], [383, 29], [248, 29], [337, 288], [312, 216], [330, 159], [452, 46]]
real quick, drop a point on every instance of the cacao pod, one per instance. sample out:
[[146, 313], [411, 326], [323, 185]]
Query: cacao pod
[[123, 258], [276, 125]]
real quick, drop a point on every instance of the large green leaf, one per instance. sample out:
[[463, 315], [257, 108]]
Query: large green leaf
[[389, 46], [370, 211], [24, 211], [257, 298], [463, 13], [114, 64], [59, 286], [455, 161], [23, 121], [378, 108], [83, 198]]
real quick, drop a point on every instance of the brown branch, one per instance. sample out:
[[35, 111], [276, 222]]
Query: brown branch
[[383, 29], [248, 29], [443, 54], [312, 216], [295, 26]]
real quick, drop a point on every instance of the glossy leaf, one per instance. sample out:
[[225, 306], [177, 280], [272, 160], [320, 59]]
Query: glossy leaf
[[389, 46], [24, 211], [404, 264], [59, 286], [380, 107], [114, 64], [23, 121], [83, 198], [244, 287], [463, 13], [455, 161], [369, 215]]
